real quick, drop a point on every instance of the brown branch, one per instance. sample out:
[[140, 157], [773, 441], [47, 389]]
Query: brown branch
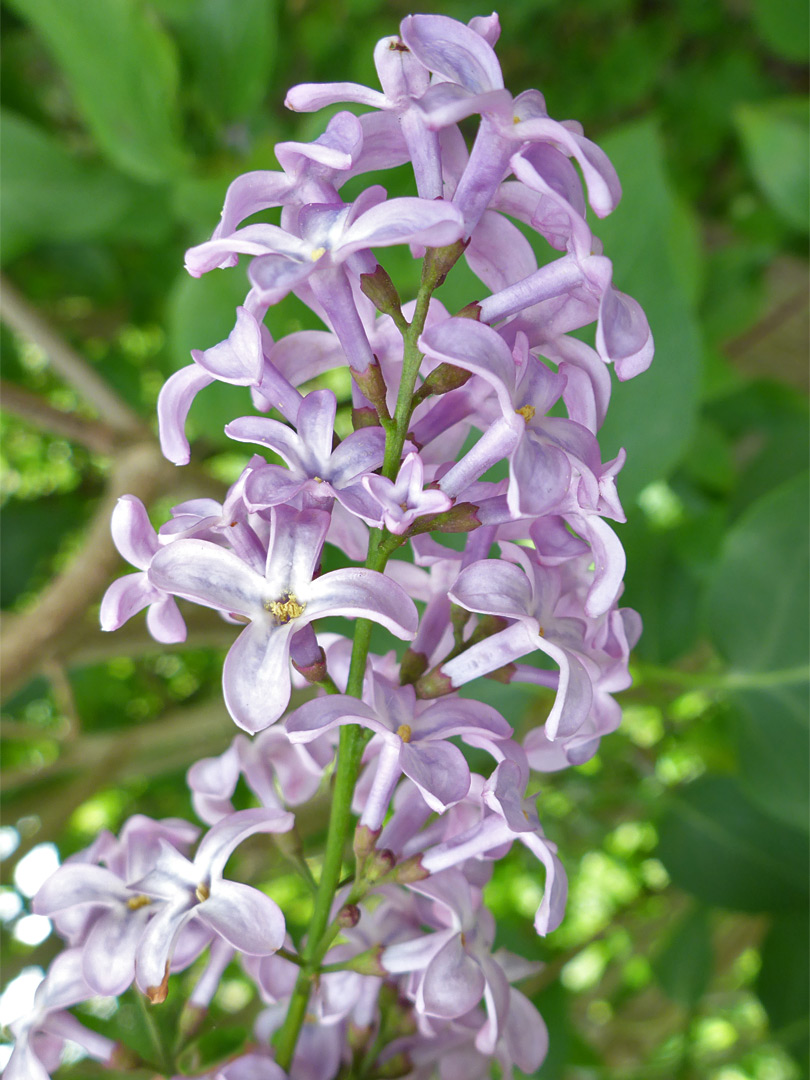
[[90, 433], [33, 636], [18, 314]]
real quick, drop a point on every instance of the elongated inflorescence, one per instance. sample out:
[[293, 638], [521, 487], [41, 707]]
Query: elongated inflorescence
[[396, 974]]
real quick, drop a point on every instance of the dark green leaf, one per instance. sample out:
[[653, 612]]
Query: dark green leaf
[[776, 142], [232, 49], [757, 602], [49, 194], [784, 979], [684, 967], [720, 847], [784, 26], [122, 70], [652, 416], [773, 738]]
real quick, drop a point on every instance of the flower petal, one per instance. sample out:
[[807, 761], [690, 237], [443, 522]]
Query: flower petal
[[244, 917]]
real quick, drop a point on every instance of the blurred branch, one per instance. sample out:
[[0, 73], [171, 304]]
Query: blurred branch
[[18, 314], [33, 636], [90, 433]]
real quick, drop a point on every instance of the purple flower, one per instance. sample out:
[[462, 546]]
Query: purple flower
[[256, 675], [413, 736], [404, 500], [41, 1033], [246, 918], [137, 541]]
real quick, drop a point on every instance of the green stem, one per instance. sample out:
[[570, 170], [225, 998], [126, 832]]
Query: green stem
[[352, 737], [723, 680]]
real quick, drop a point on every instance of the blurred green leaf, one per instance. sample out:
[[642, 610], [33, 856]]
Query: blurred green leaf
[[684, 967], [717, 845], [212, 1048], [232, 49], [50, 194], [773, 739], [757, 602], [784, 979], [777, 144], [32, 534], [122, 70], [785, 26], [652, 416]]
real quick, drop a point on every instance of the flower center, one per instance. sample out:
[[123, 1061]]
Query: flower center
[[285, 609], [527, 412], [202, 892], [138, 902], [404, 732], [317, 253]]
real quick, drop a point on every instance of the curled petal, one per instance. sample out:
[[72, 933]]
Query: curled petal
[[174, 402], [244, 917]]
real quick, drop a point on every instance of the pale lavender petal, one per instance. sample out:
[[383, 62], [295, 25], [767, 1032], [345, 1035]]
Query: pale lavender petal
[[221, 840], [109, 952], [164, 621], [492, 653], [256, 675], [304, 355], [209, 575], [399, 221], [555, 893], [126, 597], [525, 1034], [453, 982], [623, 334], [493, 588], [239, 359], [274, 276], [156, 946], [363, 594], [448, 48], [132, 532], [212, 782], [322, 714], [438, 769], [79, 883], [309, 97], [244, 917], [498, 253], [415, 954], [271, 433], [476, 348], [174, 402]]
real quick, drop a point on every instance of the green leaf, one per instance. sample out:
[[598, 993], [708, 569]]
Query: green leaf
[[210, 1049], [776, 142], [784, 979], [122, 71], [773, 740], [652, 416], [719, 846], [49, 194], [684, 967], [232, 49], [757, 602], [785, 26]]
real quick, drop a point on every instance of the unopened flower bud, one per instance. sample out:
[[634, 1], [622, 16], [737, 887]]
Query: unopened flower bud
[[380, 290], [364, 417], [413, 665], [348, 916], [365, 840], [434, 684], [372, 385], [411, 870]]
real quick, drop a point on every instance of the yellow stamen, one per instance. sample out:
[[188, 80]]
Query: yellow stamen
[[527, 412], [541, 632], [138, 902], [202, 892], [404, 732], [317, 253], [285, 609]]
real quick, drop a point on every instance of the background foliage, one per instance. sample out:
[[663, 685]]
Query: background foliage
[[684, 953]]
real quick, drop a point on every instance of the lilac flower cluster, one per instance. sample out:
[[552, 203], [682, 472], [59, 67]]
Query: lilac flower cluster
[[396, 975]]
